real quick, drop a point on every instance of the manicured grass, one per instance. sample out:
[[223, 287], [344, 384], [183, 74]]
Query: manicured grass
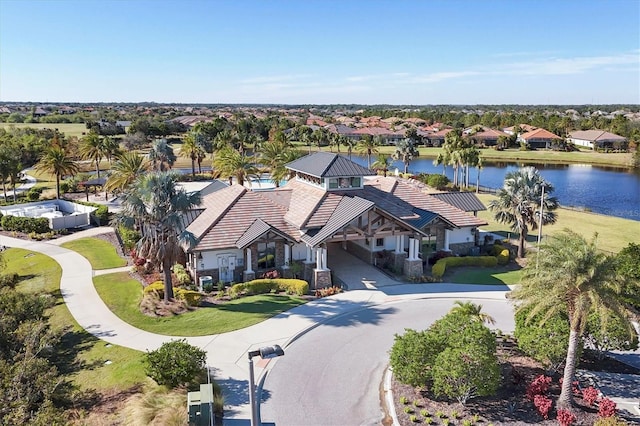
[[100, 253], [69, 129], [83, 356], [614, 233], [482, 276], [123, 294]]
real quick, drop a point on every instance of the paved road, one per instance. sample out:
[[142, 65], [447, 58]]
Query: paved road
[[332, 375]]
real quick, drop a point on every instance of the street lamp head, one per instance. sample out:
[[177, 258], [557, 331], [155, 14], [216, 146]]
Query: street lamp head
[[271, 352]]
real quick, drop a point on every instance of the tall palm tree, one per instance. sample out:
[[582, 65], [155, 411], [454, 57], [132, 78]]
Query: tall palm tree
[[574, 278], [156, 208], [93, 147], [161, 155], [405, 151], [518, 201], [382, 163], [10, 165], [368, 145], [472, 310], [189, 149], [56, 161], [231, 164], [129, 166]]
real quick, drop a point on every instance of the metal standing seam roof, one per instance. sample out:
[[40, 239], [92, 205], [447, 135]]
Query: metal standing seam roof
[[424, 218], [466, 201], [256, 230], [327, 164], [347, 210]]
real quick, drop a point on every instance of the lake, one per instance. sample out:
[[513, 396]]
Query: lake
[[605, 190]]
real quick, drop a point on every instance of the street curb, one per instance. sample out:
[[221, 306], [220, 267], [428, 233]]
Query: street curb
[[388, 396]]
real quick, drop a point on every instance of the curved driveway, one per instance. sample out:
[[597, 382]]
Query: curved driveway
[[332, 375], [227, 353]]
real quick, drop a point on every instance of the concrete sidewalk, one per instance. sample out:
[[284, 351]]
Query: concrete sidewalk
[[226, 353]]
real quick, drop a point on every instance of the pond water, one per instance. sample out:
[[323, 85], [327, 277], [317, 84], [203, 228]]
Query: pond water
[[605, 190]]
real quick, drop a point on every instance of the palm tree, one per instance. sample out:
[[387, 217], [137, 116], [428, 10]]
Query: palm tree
[[231, 164], [161, 155], [405, 151], [474, 311], [156, 208], [518, 201], [574, 278], [368, 146], [93, 148], [125, 170], [56, 161], [349, 143], [382, 163], [189, 149], [10, 165]]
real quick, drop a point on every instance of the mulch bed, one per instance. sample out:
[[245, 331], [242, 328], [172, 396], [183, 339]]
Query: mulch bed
[[510, 405]]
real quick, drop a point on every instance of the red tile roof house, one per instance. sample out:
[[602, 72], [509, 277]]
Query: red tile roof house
[[330, 204], [539, 138], [484, 136], [598, 139]]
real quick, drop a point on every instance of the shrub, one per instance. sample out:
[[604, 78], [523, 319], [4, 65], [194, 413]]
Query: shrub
[[34, 194], [155, 287], [129, 237], [539, 386], [503, 257], [175, 363], [265, 285], [100, 215], [606, 408], [437, 181], [25, 224], [610, 332], [566, 417], [191, 297], [590, 395], [441, 265], [182, 275], [9, 280], [546, 343], [411, 356], [293, 286], [404, 400], [543, 405], [327, 291], [609, 421]]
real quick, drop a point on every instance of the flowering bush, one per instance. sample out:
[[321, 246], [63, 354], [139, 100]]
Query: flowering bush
[[539, 386], [606, 408], [590, 395], [566, 417], [543, 405], [271, 275]]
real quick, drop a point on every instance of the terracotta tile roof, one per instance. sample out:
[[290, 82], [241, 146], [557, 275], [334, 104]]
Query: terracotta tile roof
[[524, 127], [306, 199], [539, 134], [215, 205]]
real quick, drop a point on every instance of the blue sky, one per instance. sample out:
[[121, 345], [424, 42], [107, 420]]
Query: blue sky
[[321, 52]]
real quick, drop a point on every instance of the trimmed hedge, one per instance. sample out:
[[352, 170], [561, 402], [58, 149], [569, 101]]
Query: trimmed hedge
[[441, 265], [27, 225], [503, 257], [267, 285]]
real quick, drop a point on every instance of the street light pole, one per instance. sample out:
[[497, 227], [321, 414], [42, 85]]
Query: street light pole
[[264, 353]]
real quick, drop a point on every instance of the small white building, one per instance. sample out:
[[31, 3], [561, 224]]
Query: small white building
[[62, 214]]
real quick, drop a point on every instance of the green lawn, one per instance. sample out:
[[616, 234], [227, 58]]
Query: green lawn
[[100, 253], [69, 129], [614, 233], [482, 276], [123, 294], [83, 356]]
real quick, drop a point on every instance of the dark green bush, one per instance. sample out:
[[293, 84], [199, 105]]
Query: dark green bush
[[101, 215], [25, 224], [441, 265], [268, 285], [547, 341], [9, 280], [175, 363]]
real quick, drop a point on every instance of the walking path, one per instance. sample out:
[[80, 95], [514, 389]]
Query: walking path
[[226, 353]]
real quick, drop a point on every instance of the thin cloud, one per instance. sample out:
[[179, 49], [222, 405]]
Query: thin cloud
[[275, 78], [564, 66]]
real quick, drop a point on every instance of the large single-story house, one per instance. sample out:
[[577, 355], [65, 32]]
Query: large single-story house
[[539, 138], [330, 204], [597, 139], [482, 135]]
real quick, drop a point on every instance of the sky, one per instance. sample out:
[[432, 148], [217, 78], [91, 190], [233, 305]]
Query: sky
[[402, 52]]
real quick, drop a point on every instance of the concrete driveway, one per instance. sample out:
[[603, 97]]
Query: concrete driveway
[[355, 273]]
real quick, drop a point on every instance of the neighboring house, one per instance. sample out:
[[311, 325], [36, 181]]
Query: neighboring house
[[598, 139], [482, 135], [539, 138], [40, 112], [331, 204], [388, 136], [523, 129], [438, 138]]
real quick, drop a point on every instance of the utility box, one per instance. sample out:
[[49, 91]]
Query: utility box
[[200, 406], [205, 280]]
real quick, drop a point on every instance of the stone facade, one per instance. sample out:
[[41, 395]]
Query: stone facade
[[413, 268], [321, 278], [398, 260], [279, 254], [248, 276], [307, 274], [461, 248]]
